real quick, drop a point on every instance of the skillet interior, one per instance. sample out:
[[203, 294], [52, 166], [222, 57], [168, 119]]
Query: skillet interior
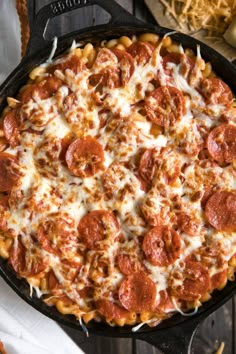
[[221, 66]]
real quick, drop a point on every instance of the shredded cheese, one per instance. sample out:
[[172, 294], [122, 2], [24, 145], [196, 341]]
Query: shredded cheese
[[211, 15], [49, 200]]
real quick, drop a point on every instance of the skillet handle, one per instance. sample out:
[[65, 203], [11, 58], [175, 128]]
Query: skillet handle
[[119, 16], [173, 340]]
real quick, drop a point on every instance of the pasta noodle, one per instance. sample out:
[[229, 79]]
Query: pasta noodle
[[220, 350]]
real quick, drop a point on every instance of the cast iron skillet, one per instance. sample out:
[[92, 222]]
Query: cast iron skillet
[[174, 335]]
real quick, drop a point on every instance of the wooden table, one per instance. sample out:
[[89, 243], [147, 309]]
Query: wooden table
[[221, 325]]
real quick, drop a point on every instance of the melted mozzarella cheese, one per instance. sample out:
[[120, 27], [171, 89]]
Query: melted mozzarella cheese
[[47, 186]]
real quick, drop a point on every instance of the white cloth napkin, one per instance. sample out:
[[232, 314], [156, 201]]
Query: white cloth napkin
[[23, 330], [10, 45]]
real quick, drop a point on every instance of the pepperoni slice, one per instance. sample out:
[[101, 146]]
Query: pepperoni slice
[[141, 51], [53, 282], [10, 127], [186, 224], [72, 62], [109, 310], [220, 211], [105, 58], [187, 64], [174, 58], [221, 143], [147, 166], [27, 93], [126, 65], [17, 257], [56, 288], [85, 157], [49, 87], [65, 143], [166, 303], [195, 282], [58, 235], [109, 77], [206, 193], [161, 245], [8, 172], [114, 76], [165, 106], [43, 90], [97, 226], [215, 91], [138, 293], [26, 263], [86, 292], [127, 265], [109, 74]]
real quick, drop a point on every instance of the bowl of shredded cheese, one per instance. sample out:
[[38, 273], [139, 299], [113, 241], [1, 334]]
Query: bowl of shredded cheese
[[211, 21]]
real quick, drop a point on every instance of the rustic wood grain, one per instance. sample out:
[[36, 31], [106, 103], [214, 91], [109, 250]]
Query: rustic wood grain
[[100, 345], [221, 325], [215, 329], [145, 348]]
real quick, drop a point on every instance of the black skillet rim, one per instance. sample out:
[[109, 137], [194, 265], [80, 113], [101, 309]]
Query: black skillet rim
[[10, 87]]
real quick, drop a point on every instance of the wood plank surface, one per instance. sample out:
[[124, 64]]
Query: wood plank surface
[[100, 345], [215, 329], [218, 327]]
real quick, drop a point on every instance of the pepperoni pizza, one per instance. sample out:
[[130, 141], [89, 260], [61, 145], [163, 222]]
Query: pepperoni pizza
[[118, 181]]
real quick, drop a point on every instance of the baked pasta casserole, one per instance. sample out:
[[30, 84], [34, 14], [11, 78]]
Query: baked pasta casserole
[[118, 181]]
